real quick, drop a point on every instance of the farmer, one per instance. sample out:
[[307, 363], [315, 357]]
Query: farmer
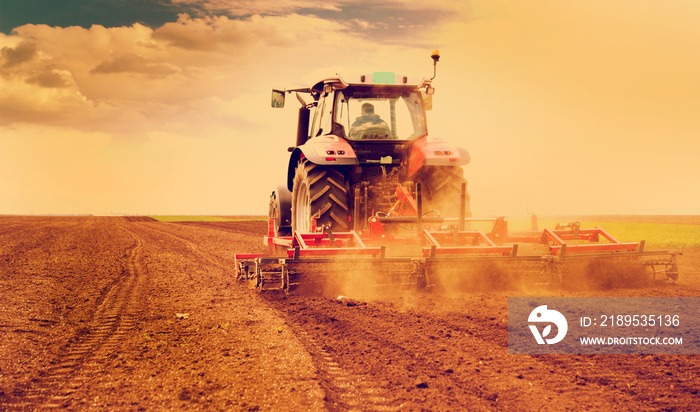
[[369, 118]]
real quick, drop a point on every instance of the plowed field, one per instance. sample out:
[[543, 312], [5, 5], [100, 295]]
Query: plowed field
[[111, 313]]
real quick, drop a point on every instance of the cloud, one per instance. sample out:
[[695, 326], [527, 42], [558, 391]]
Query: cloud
[[137, 80], [107, 75], [384, 20], [205, 34], [225, 35], [246, 8], [51, 79], [342, 9], [133, 63], [13, 56]]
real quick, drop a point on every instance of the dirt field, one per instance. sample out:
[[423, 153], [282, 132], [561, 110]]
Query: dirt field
[[109, 313]]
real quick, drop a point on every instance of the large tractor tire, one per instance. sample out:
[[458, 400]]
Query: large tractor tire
[[319, 192], [442, 190]]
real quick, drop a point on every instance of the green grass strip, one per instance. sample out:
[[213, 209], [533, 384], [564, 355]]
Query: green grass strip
[[656, 235], [186, 218]]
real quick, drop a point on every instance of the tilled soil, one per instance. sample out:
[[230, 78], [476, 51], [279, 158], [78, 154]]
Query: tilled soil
[[110, 313]]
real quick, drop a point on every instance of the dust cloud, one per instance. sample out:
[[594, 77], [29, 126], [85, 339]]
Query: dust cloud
[[369, 280], [605, 274]]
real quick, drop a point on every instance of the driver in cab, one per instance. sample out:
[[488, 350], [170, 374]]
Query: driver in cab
[[370, 120]]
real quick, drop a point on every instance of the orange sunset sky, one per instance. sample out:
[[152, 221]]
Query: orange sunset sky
[[163, 106]]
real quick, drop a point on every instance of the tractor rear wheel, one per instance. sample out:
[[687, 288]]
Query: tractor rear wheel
[[444, 189], [319, 192]]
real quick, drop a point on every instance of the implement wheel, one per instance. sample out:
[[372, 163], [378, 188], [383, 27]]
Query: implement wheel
[[319, 192]]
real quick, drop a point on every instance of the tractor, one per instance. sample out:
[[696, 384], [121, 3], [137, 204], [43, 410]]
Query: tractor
[[356, 142]]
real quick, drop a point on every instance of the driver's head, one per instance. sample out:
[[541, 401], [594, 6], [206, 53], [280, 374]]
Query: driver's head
[[367, 108]]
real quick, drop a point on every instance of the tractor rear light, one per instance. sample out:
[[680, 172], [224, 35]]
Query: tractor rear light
[[330, 159], [453, 159]]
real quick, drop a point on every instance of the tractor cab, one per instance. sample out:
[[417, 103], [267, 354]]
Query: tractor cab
[[372, 111], [379, 109]]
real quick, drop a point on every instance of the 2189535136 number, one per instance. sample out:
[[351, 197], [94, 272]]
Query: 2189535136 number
[[640, 320]]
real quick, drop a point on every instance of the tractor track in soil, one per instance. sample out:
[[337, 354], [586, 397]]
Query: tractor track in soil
[[203, 256], [375, 360], [115, 315], [344, 390]]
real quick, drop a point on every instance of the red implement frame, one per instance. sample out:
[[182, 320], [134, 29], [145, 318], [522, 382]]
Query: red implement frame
[[329, 244], [440, 242], [438, 239], [471, 237], [592, 235]]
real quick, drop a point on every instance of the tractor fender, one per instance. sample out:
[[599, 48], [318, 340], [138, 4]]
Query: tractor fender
[[435, 152], [322, 150]]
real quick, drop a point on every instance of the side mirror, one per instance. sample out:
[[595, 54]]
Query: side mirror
[[277, 98]]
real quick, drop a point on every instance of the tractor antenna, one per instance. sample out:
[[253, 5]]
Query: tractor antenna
[[436, 57]]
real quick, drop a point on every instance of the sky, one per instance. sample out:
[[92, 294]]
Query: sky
[[163, 106]]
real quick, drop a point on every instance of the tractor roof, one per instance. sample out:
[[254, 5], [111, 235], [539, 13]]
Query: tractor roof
[[387, 79]]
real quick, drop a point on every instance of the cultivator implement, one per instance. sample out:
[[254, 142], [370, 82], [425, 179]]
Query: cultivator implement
[[404, 248]]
